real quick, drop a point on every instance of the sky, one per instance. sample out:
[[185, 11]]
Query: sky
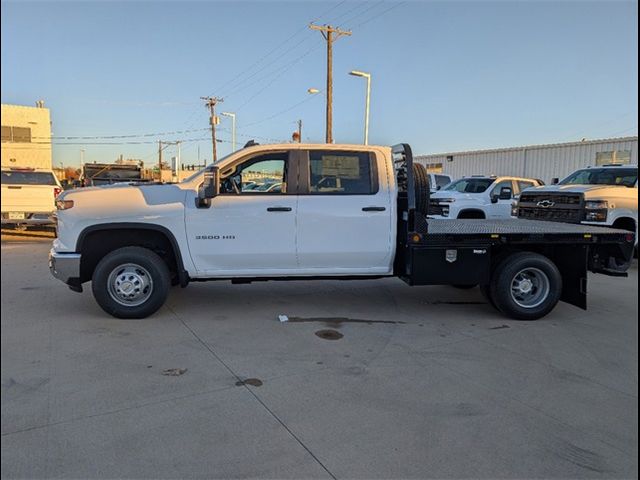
[[446, 75]]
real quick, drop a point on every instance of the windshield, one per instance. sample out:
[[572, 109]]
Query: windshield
[[603, 176], [470, 185], [27, 178]]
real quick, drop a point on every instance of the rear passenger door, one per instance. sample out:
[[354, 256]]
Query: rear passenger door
[[344, 213]]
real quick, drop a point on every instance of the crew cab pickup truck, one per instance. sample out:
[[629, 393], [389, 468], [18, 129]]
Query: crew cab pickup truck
[[479, 197], [341, 212], [606, 196], [28, 196]]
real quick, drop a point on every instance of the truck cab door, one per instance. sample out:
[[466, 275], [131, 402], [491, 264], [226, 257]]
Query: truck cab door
[[250, 227], [346, 213], [500, 207]]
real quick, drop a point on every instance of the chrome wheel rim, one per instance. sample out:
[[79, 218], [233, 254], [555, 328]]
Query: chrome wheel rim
[[530, 287], [130, 284]]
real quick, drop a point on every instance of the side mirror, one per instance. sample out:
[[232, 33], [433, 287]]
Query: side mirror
[[555, 181], [210, 186], [438, 187], [505, 193]]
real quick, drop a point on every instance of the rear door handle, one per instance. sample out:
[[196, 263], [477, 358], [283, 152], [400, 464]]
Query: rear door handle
[[278, 209], [373, 209]]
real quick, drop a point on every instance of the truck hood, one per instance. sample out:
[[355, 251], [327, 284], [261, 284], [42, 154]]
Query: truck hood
[[121, 198], [589, 191], [459, 196]]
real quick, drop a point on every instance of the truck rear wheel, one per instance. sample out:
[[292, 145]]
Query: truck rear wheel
[[526, 286], [131, 282]]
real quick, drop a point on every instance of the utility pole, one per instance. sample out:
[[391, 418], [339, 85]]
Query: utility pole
[[328, 33], [299, 131], [210, 103]]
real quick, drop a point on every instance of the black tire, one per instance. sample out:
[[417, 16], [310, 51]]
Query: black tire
[[422, 188], [544, 298], [152, 271], [465, 287]]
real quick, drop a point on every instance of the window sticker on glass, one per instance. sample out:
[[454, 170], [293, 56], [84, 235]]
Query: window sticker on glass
[[340, 166]]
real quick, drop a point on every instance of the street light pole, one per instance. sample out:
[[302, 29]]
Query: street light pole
[[233, 129], [81, 158], [357, 73]]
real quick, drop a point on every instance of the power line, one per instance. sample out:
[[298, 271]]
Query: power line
[[282, 72], [191, 119], [362, 12], [396, 5], [97, 137], [282, 112], [276, 48]]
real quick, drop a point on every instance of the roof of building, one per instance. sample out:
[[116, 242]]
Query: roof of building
[[532, 147]]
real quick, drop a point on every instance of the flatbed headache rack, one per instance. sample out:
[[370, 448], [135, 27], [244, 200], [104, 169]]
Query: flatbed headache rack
[[463, 252]]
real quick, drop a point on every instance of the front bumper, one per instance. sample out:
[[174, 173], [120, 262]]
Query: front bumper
[[66, 267]]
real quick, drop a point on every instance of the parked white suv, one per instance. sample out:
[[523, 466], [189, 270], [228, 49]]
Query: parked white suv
[[28, 196], [606, 195], [478, 197]]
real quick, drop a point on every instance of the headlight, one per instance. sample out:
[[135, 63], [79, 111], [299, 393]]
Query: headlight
[[64, 204], [445, 211], [514, 209], [445, 200], [596, 204], [596, 210]]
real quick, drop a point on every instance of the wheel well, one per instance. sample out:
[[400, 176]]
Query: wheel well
[[97, 243], [625, 223], [471, 213]]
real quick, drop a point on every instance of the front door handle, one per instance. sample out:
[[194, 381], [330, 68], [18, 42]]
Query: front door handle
[[278, 209], [373, 209]]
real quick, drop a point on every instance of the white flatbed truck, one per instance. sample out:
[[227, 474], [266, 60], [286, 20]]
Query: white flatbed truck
[[342, 212]]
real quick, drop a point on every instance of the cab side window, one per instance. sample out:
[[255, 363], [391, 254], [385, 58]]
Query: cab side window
[[499, 186], [522, 184], [341, 173], [261, 175]]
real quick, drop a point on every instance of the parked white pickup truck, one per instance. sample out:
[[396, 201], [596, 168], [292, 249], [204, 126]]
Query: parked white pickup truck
[[342, 211], [606, 196], [28, 196], [479, 197]]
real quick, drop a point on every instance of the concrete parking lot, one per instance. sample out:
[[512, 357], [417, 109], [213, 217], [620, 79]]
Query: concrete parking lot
[[417, 382]]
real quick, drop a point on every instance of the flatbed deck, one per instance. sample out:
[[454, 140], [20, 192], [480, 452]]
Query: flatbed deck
[[514, 226]]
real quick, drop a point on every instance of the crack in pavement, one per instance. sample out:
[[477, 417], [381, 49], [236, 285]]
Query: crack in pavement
[[252, 392]]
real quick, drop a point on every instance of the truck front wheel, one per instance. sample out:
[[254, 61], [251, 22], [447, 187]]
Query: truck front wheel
[[526, 286], [131, 282]]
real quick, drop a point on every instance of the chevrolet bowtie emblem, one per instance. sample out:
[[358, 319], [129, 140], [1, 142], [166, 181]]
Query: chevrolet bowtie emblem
[[545, 203]]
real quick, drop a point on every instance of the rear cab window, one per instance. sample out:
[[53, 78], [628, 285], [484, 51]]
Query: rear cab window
[[442, 181], [14, 177], [335, 172]]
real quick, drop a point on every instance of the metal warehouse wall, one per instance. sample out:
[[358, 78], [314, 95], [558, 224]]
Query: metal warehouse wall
[[535, 161], [36, 152]]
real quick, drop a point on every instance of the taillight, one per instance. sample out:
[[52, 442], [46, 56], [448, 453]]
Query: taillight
[[56, 191]]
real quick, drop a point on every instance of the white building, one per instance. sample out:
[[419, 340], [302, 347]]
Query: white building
[[534, 161], [26, 136]]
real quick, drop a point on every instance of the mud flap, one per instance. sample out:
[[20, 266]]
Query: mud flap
[[572, 263]]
